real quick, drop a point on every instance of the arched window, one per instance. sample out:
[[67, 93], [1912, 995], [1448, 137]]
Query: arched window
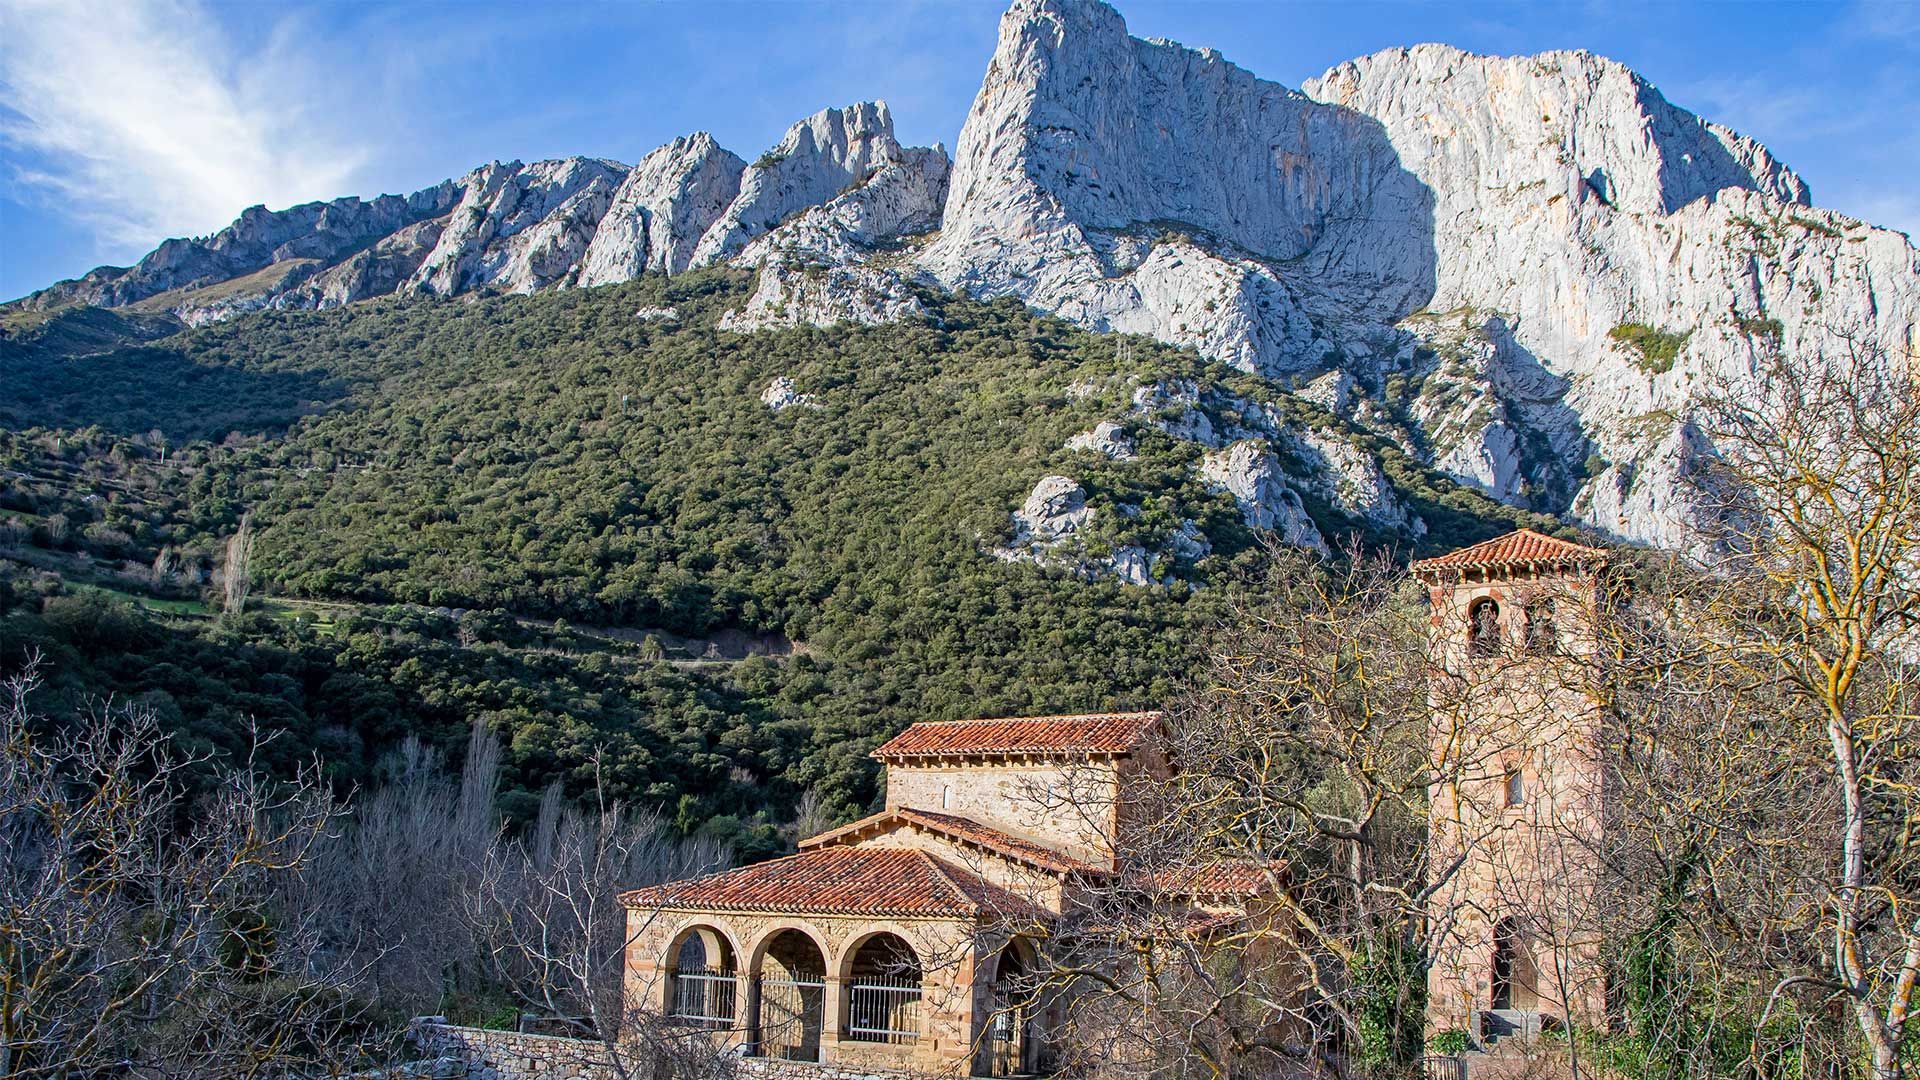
[[946, 796], [1483, 627], [1543, 635], [884, 986]]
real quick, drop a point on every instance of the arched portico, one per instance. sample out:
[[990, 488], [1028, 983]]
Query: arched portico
[[790, 994], [703, 977], [883, 982]]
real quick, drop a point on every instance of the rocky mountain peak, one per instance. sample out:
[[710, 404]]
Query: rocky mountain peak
[[1520, 269]]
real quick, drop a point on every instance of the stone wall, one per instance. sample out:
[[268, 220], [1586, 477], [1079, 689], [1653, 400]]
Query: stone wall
[[1066, 806], [512, 1055]]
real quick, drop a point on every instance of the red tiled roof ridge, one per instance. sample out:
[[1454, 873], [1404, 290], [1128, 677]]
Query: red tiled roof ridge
[[964, 829], [1219, 877], [1099, 732], [1517, 547], [838, 880]]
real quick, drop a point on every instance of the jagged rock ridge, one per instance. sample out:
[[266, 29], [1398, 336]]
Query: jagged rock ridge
[[836, 184], [1438, 247]]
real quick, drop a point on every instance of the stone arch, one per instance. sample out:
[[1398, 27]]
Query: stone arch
[[1013, 1043], [884, 982], [852, 963], [757, 953], [702, 965], [703, 941], [1483, 626], [790, 986]]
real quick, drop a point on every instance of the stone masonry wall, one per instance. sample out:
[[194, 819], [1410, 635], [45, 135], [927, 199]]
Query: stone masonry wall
[[1068, 807], [511, 1055]]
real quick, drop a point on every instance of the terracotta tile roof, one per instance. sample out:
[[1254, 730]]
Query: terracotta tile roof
[[1225, 877], [1518, 548], [1092, 733], [841, 881], [954, 827]]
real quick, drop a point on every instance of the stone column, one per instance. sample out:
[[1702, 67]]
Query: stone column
[[746, 1006], [833, 1012]]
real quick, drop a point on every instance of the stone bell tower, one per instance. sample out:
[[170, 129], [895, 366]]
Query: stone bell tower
[[1517, 808]]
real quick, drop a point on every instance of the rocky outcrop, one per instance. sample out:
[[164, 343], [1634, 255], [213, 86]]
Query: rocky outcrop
[[834, 191], [821, 266], [662, 209], [1107, 439], [781, 394], [1074, 188], [519, 227], [819, 158], [1248, 472], [1352, 480], [257, 239], [1057, 507]]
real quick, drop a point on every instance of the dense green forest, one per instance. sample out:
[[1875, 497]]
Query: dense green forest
[[585, 529]]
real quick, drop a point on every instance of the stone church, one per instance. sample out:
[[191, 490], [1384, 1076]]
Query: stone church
[[889, 945], [893, 943]]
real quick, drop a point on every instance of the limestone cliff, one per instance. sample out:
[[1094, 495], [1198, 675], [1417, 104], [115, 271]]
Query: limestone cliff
[[1463, 254]]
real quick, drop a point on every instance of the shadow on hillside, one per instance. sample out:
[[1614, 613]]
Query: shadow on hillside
[[136, 390]]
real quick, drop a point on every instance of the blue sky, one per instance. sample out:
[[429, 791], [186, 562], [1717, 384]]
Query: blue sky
[[123, 122]]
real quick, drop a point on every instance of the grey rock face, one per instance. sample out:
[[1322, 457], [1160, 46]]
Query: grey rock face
[[1248, 472], [1560, 194], [1057, 507], [519, 227], [817, 160], [257, 239], [662, 209], [1107, 439], [1074, 188], [781, 394]]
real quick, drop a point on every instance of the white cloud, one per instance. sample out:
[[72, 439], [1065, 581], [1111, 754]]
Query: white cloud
[[139, 119]]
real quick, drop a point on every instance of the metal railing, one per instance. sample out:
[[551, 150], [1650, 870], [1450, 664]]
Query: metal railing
[[883, 1010], [792, 1012], [705, 997], [1437, 1067]]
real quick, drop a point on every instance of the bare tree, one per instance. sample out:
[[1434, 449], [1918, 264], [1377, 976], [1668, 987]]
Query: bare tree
[[137, 929], [1819, 475], [548, 905], [236, 574]]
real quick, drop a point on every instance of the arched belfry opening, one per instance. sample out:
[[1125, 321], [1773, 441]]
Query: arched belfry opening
[[1483, 627]]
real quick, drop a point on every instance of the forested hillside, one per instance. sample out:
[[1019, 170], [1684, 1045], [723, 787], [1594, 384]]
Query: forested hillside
[[572, 516]]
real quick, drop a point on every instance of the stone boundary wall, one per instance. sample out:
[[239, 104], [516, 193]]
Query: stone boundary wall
[[512, 1055]]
